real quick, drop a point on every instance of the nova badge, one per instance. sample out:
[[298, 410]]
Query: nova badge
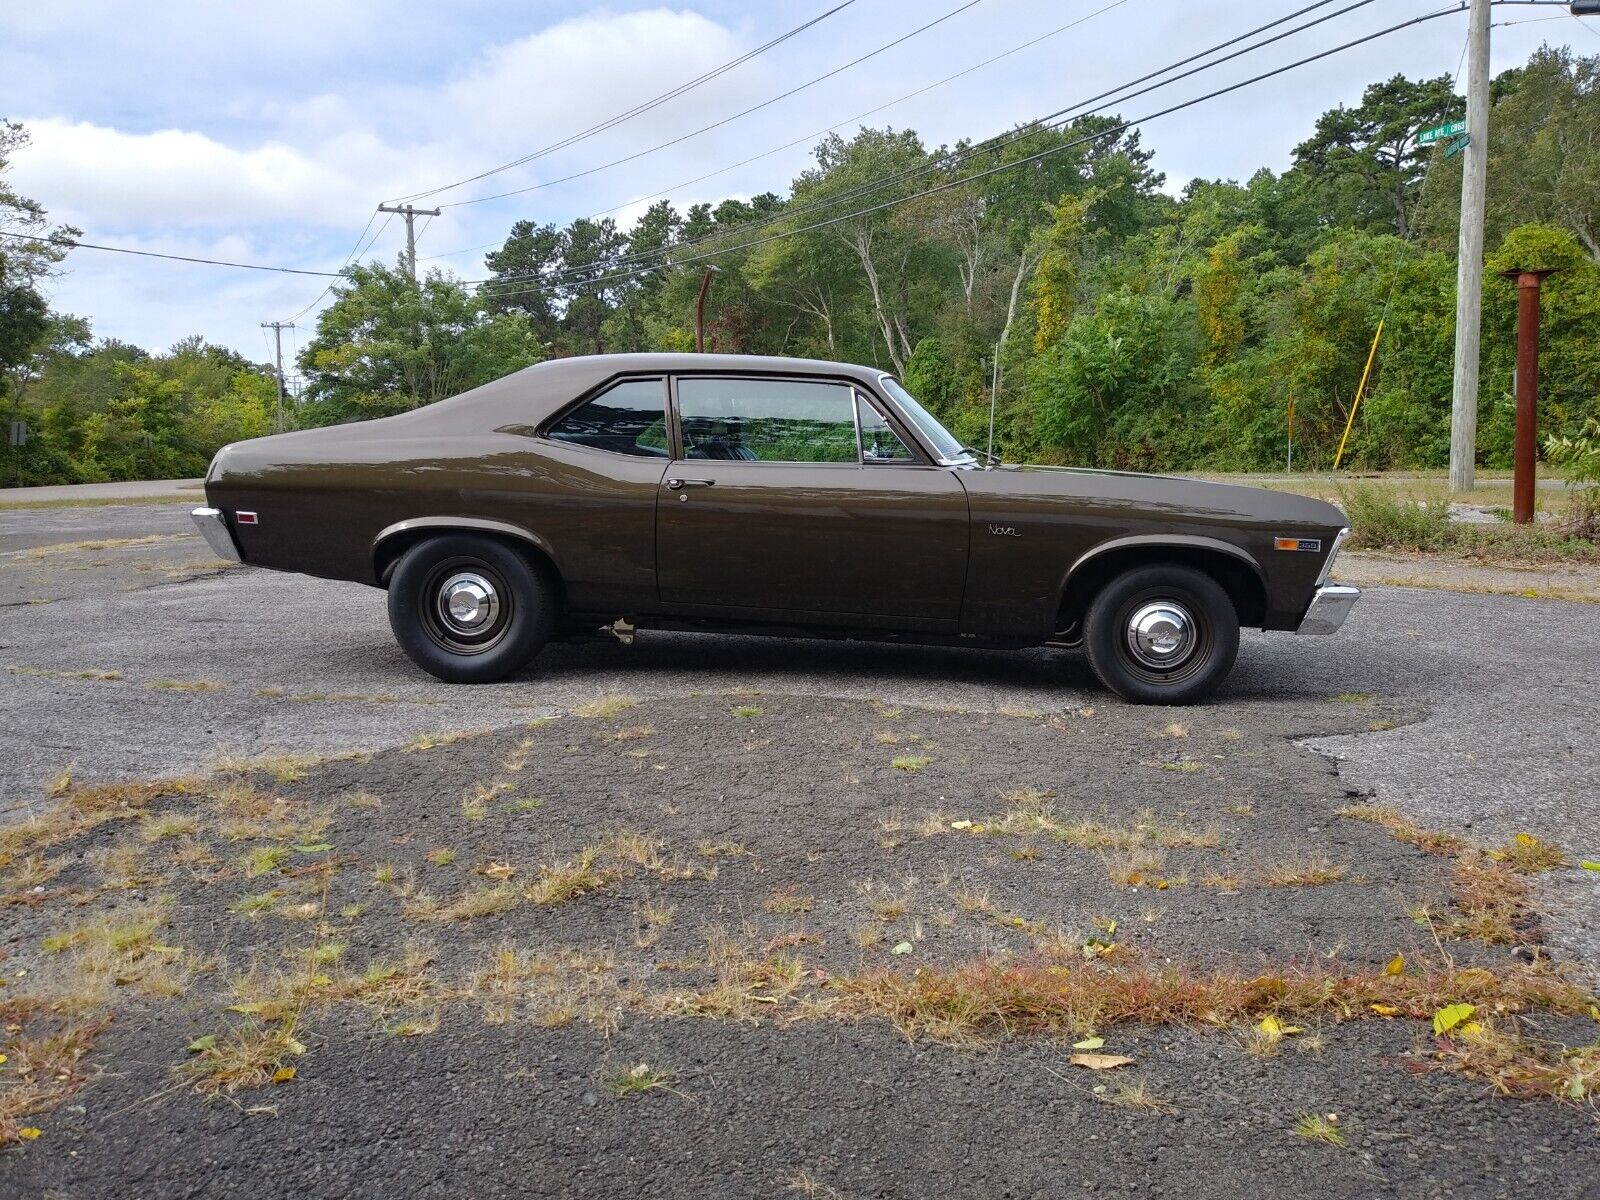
[[1004, 531]]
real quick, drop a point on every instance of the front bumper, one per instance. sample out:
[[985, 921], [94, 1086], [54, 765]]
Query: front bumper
[[214, 528], [1329, 607]]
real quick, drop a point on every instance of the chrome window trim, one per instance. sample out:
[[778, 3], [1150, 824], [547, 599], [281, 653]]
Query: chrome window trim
[[966, 460]]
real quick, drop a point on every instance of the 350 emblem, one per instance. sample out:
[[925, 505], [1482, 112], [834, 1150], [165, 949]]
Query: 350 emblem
[[1004, 531]]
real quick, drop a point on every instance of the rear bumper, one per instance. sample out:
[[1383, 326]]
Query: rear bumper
[[1329, 607], [214, 528]]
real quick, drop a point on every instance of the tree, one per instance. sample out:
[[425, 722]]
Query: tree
[[387, 344], [1364, 162]]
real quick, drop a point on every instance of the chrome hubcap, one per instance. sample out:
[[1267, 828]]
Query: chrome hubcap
[[1161, 634], [468, 603]]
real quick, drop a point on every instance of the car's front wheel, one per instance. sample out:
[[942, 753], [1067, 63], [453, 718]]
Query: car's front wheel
[[1162, 635], [470, 609]]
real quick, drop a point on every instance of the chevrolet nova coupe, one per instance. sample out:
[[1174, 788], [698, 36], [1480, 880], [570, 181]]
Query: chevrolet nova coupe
[[764, 495]]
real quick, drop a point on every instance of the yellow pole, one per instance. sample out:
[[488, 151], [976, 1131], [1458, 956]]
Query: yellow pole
[[1360, 391]]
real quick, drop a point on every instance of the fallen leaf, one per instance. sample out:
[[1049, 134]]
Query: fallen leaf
[[1396, 965], [960, 824], [1451, 1015], [1590, 865], [201, 1044], [294, 1045], [1100, 1062], [1526, 839], [1089, 1043], [283, 1075], [902, 948], [1274, 1028], [1385, 1010], [2, 1060], [30, 1132]]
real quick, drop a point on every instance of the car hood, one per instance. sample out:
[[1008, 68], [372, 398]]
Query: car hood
[[1176, 494]]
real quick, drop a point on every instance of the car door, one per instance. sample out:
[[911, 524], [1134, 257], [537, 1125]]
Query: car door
[[772, 508]]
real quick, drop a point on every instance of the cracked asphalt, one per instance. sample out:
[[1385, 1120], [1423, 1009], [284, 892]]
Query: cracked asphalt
[[1504, 689]]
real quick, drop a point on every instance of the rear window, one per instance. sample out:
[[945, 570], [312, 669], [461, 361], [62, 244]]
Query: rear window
[[627, 418]]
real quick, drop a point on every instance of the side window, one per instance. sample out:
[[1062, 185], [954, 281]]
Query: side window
[[879, 442], [767, 420], [629, 418]]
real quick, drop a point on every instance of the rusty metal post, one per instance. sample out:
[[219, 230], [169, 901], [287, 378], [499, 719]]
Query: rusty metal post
[[1525, 454], [700, 311]]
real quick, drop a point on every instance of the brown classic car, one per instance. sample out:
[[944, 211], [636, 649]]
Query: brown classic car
[[764, 495]]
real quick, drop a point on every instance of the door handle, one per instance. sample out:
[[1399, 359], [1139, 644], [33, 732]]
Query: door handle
[[677, 485]]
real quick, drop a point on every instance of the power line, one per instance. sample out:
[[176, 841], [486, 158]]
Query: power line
[[1119, 94], [962, 182], [636, 110], [725, 120], [73, 243], [1059, 29]]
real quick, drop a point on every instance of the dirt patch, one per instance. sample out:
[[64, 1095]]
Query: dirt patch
[[637, 951]]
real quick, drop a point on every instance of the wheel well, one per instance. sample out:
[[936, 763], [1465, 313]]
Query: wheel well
[[1243, 585], [387, 553]]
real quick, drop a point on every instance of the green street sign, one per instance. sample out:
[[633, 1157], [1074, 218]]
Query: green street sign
[[1457, 145], [1439, 132]]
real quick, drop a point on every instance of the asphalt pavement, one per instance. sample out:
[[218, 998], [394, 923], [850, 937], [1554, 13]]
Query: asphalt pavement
[[211, 661]]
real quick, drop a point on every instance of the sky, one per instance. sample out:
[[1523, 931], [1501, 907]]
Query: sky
[[269, 133]]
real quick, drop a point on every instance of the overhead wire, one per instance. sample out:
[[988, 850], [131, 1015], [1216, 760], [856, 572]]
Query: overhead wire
[[1059, 29], [718, 124], [970, 179], [1119, 95], [638, 109]]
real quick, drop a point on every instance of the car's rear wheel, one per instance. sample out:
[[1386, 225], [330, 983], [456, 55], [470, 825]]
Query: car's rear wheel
[[1162, 635], [470, 609]]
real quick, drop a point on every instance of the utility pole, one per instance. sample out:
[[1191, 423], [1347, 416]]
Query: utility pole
[[277, 328], [410, 214], [700, 309], [1469, 268]]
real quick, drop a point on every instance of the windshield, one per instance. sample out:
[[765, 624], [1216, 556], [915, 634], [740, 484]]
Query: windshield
[[941, 440]]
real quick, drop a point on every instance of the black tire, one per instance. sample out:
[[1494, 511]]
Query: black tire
[[514, 606], [1136, 669]]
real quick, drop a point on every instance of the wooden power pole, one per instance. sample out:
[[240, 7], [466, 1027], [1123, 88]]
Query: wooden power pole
[[277, 328], [410, 214], [1469, 268]]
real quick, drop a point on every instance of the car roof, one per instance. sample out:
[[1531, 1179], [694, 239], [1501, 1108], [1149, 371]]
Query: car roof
[[530, 395]]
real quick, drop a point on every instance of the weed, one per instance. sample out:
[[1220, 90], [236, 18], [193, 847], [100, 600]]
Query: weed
[[523, 807], [248, 1056], [560, 882], [441, 856], [1405, 830], [1175, 729], [1135, 1094], [153, 828], [744, 711], [790, 900], [476, 902], [185, 685], [710, 849], [264, 859], [1315, 1127], [641, 1078], [1310, 873], [430, 741], [1137, 867], [383, 873], [256, 904], [1527, 855], [910, 762], [605, 707], [59, 784], [365, 801], [1222, 883], [44, 1069]]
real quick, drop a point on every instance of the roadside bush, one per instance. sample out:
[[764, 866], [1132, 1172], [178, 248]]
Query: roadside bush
[[1385, 520]]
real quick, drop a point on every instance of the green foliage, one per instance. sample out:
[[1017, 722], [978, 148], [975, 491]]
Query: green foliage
[[386, 345]]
